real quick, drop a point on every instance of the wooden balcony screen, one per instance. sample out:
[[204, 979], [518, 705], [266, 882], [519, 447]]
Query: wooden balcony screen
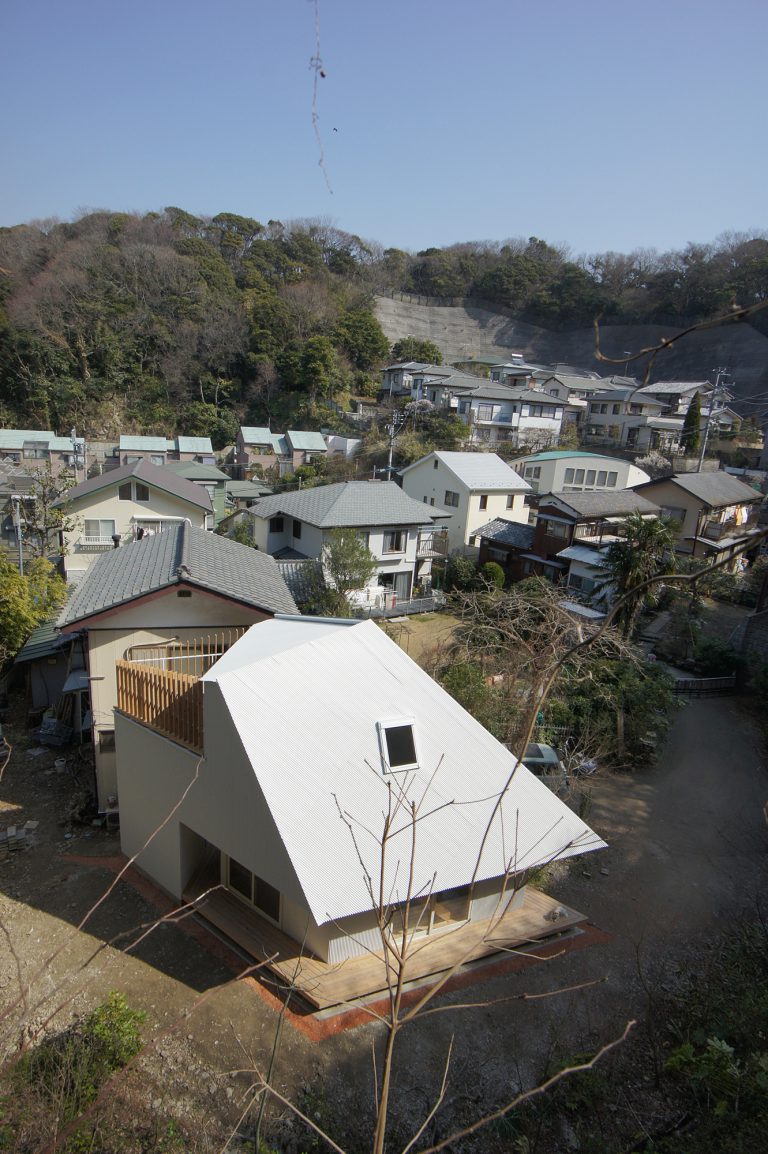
[[167, 701]]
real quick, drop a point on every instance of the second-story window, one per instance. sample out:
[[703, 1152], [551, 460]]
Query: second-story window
[[296, 529], [484, 501], [451, 499], [394, 541], [276, 524]]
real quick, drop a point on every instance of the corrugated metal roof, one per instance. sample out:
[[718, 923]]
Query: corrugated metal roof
[[254, 435], [583, 554], [148, 444], [319, 775], [180, 554], [43, 642], [306, 442], [152, 475], [194, 445], [477, 471], [349, 503], [15, 438]]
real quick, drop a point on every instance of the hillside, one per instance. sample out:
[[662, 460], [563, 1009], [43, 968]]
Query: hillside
[[467, 331]]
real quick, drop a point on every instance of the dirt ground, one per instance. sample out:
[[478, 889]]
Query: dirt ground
[[688, 851]]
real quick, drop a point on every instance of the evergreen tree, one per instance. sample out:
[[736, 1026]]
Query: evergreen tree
[[690, 441]]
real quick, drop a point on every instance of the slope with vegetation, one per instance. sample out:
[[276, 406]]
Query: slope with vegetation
[[169, 322]]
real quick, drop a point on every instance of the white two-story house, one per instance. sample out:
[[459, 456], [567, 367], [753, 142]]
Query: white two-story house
[[519, 416], [402, 534], [474, 487], [127, 504]]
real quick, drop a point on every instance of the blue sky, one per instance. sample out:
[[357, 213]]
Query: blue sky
[[604, 124]]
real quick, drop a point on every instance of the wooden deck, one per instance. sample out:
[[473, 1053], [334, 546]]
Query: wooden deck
[[324, 985]]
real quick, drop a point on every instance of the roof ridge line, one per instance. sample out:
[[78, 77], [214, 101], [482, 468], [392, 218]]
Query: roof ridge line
[[182, 545]]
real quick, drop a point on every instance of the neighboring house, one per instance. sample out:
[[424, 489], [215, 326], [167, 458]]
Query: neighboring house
[[39, 448], [564, 470], [258, 447], [209, 478], [397, 380], [128, 503], [563, 520], [341, 446], [241, 494], [497, 413], [473, 486], [306, 731], [717, 513], [161, 450], [54, 665], [400, 532], [676, 396], [176, 599], [516, 371]]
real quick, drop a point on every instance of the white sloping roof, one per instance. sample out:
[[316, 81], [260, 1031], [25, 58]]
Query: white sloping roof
[[305, 697], [480, 471]]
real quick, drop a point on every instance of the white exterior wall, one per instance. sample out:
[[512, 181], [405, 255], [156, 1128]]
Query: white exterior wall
[[106, 506], [224, 806], [312, 540], [551, 478], [426, 483]]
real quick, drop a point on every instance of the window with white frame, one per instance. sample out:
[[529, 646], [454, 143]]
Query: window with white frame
[[258, 893], [397, 743], [95, 528]]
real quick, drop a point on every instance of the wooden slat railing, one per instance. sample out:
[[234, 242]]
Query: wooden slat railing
[[169, 702]]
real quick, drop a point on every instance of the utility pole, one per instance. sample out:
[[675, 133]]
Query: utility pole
[[16, 502], [714, 396], [392, 429]]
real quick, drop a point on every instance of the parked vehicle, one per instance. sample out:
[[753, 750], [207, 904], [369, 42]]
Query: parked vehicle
[[545, 762]]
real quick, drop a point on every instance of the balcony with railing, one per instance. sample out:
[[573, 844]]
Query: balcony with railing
[[432, 545], [94, 543], [715, 529], [160, 686]]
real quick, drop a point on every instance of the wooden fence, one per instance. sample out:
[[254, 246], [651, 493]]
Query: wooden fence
[[165, 700]]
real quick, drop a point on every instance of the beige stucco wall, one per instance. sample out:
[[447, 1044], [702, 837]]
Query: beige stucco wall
[[426, 481], [105, 505], [155, 619]]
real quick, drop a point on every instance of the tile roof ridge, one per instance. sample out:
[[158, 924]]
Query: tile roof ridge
[[182, 551]]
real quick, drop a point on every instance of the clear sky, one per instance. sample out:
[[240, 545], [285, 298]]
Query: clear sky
[[605, 124]]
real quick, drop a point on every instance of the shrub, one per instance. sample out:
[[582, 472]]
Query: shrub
[[492, 574], [716, 658], [68, 1069]]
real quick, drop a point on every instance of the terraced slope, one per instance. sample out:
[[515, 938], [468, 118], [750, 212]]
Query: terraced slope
[[465, 331]]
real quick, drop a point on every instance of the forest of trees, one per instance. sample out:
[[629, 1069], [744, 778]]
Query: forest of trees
[[173, 323]]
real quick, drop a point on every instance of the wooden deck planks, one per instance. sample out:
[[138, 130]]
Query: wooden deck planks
[[324, 985]]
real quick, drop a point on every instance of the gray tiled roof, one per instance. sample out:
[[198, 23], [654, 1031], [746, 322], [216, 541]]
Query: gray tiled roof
[[503, 532], [714, 489], [604, 504], [303, 578], [349, 503], [180, 555], [153, 475]]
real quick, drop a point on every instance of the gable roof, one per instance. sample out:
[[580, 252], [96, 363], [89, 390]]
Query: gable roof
[[349, 676], [478, 471], [713, 489], [16, 438], [156, 476], [349, 504], [197, 471], [603, 503], [306, 442], [194, 445], [179, 555], [147, 444]]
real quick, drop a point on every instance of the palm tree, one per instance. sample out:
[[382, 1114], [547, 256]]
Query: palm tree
[[645, 551]]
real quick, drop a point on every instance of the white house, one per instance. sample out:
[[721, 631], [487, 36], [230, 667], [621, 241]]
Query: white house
[[128, 503], [399, 531], [155, 598], [311, 730], [571, 471], [520, 416], [475, 487]]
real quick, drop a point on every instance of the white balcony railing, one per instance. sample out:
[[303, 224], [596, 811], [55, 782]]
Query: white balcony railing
[[89, 542]]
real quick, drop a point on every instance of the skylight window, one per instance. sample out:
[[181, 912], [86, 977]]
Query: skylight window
[[397, 740]]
